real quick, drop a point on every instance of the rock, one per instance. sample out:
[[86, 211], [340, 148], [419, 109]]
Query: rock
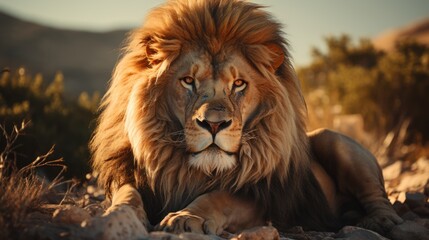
[[422, 211], [409, 230], [357, 233], [70, 215], [95, 210], [161, 236], [392, 171], [122, 223], [423, 221], [170, 236], [415, 199], [195, 236], [259, 233], [312, 235], [298, 233], [409, 216]]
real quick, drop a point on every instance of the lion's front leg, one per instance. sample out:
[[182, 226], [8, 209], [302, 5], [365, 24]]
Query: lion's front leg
[[212, 213], [124, 219], [128, 196]]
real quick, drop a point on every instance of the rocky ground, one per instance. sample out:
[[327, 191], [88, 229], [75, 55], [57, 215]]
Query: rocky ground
[[407, 186]]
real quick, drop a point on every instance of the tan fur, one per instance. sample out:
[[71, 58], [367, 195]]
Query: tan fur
[[148, 133], [133, 136]]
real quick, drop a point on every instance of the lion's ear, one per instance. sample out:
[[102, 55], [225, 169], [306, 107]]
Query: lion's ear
[[150, 51], [159, 50], [277, 54]]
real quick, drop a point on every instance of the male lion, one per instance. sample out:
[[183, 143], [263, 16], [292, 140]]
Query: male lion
[[205, 118]]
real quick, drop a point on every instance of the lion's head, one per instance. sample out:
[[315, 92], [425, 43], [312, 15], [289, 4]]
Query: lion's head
[[204, 97], [214, 95]]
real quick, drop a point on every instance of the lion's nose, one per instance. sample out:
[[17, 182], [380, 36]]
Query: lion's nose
[[214, 127]]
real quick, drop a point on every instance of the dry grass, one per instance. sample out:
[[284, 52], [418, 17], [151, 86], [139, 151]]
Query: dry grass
[[22, 191]]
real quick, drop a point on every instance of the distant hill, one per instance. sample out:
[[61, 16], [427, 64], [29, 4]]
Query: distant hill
[[417, 30], [85, 58]]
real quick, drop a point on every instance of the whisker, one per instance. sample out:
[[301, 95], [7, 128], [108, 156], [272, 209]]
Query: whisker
[[176, 138], [248, 135]]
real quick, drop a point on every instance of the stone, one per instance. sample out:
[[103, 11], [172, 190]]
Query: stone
[[122, 223], [423, 221], [410, 215], [196, 236], [259, 233], [415, 199], [356, 233], [409, 230], [159, 235], [95, 209], [422, 211], [309, 235], [70, 215]]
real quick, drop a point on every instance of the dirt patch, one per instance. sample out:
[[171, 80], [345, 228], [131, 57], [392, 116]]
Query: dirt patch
[[75, 215]]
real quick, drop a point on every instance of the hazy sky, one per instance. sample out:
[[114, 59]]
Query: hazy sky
[[306, 21]]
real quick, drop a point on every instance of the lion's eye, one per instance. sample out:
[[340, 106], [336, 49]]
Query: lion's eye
[[188, 82], [239, 85]]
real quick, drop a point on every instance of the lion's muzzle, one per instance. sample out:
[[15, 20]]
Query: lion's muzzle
[[213, 137]]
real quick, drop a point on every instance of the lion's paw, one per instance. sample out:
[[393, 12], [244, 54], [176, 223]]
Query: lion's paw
[[184, 221], [381, 222]]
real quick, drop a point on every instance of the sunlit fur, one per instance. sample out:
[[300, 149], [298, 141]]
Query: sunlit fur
[[137, 140], [204, 161]]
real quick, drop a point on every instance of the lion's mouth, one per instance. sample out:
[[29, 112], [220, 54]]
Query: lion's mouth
[[212, 159], [212, 148]]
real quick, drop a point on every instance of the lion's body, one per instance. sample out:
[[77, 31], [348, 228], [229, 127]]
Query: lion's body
[[205, 100]]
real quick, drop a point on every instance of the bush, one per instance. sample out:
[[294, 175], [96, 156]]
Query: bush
[[387, 88], [22, 191], [54, 120]]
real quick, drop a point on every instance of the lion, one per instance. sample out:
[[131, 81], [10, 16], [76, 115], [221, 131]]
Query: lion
[[203, 129]]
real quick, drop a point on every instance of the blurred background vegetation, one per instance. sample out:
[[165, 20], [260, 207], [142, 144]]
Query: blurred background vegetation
[[384, 88], [374, 90], [385, 91], [53, 120]]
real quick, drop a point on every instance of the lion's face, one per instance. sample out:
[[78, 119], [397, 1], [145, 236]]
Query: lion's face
[[213, 98]]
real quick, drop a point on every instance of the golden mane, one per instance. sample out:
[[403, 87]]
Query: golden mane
[[136, 140]]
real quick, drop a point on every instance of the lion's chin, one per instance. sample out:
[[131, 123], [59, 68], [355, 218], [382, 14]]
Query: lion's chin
[[211, 160]]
